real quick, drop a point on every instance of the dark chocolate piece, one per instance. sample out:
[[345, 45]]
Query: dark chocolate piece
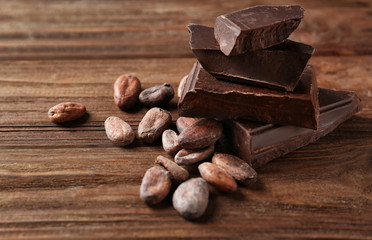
[[278, 67], [256, 27], [259, 143], [206, 96]]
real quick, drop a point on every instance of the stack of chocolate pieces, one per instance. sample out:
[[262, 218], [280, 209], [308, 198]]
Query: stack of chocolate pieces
[[260, 84]]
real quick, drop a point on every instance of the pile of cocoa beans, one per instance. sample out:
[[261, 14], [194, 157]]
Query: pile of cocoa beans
[[192, 146]]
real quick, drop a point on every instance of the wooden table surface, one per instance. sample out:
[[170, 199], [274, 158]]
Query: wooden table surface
[[68, 181]]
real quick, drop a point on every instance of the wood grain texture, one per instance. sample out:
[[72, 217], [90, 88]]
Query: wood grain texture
[[65, 29], [68, 181]]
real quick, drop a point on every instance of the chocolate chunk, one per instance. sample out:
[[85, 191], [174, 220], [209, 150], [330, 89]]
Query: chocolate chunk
[[206, 96], [278, 67], [259, 143], [256, 27]]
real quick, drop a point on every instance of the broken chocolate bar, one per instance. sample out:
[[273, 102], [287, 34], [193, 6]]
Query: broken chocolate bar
[[259, 143], [256, 27], [278, 67], [206, 96]]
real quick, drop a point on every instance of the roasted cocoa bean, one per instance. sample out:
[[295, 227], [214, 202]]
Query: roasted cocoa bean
[[181, 86], [153, 124], [126, 91], [191, 156], [201, 134], [157, 96], [178, 173], [155, 185], [66, 111], [184, 122], [236, 167], [191, 198], [118, 131], [170, 142], [218, 177]]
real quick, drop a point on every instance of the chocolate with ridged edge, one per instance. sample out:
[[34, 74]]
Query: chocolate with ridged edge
[[259, 143], [256, 27], [278, 67], [206, 96]]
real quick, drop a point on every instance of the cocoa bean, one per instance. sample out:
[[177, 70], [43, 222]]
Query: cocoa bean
[[178, 173], [126, 91], [118, 131], [191, 198], [157, 96], [184, 122], [155, 185], [66, 111], [236, 167], [190, 156], [170, 142], [152, 125], [181, 86], [201, 134], [218, 177]]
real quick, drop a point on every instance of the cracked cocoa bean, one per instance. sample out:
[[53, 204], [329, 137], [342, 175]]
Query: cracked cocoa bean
[[236, 167], [118, 131], [191, 156], [155, 185], [201, 134], [218, 177], [170, 142], [66, 111], [191, 198], [152, 125], [126, 91], [178, 173], [157, 96]]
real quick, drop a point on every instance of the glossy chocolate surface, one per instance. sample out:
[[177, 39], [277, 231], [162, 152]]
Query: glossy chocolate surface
[[255, 28], [206, 96], [259, 143], [278, 67]]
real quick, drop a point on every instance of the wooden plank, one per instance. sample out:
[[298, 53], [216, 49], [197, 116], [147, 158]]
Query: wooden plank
[[68, 181], [68, 29], [91, 82]]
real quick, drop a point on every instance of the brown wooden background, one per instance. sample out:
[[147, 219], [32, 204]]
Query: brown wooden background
[[68, 181]]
